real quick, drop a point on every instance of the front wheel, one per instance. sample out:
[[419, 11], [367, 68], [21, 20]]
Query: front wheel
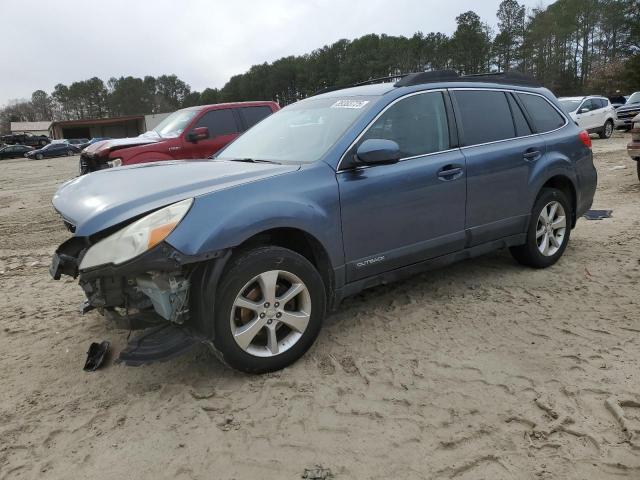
[[69, 153], [548, 232], [638, 168], [607, 129], [270, 306], [39, 156]]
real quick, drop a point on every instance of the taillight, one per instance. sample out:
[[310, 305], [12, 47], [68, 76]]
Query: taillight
[[585, 138]]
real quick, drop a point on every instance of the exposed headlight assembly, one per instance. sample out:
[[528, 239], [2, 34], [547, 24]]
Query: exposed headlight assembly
[[116, 162], [136, 238]]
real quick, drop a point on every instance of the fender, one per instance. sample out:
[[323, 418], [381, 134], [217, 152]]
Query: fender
[[551, 165], [143, 157], [275, 202]]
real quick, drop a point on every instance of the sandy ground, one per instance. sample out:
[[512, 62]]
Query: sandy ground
[[484, 369]]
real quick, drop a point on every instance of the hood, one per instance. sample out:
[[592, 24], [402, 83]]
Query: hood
[[105, 198], [629, 107], [104, 146]]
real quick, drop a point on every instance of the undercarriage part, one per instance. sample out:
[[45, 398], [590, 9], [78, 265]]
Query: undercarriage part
[[158, 344], [132, 319], [168, 293]]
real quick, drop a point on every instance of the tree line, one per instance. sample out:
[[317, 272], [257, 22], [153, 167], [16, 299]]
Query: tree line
[[572, 46]]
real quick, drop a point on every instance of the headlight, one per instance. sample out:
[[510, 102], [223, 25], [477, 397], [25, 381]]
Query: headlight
[[116, 162], [136, 238]]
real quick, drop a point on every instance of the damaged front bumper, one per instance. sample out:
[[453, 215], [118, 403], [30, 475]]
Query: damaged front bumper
[[151, 291]]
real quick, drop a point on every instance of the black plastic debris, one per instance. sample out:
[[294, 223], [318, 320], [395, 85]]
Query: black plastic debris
[[96, 356], [317, 473], [597, 214], [158, 344]]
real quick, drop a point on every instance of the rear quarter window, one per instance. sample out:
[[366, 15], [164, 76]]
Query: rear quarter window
[[486, 116], [544, 116], [253, 115]]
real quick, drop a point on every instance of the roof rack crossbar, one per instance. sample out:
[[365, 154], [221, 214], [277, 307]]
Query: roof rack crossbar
[[510, 77]]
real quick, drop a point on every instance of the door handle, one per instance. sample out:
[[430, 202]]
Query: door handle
[[450, 172], [531, 155]]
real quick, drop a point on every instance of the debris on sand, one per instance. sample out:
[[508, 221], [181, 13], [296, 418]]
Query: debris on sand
[[317, 473]]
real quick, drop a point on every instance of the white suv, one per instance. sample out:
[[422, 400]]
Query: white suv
[[593, 113]]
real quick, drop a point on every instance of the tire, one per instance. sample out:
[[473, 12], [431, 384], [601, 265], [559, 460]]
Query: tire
[[273, 343], [638, 168], [39, 156], [69, 153], [530, 253], [607, 130]]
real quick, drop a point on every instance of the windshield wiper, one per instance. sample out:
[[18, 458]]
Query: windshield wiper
[[254, 160]]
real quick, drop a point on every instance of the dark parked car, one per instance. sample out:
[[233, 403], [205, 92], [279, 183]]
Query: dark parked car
[[617, 101], [77, 141], [26, 139], [14, 151], [194, 132], [331, 195], [54, 150]]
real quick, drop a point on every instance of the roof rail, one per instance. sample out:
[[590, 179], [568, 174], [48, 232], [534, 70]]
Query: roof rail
[[359, 84], [408, 79], [510, 77]]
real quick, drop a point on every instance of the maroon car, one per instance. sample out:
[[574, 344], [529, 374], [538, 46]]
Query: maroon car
[[194, 132]]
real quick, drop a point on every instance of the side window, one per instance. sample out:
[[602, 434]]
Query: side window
[[602, 103], [418, 124], [219, 122], [522, 127], [486, 116], [544, 116], [253, 115], [587, 105]]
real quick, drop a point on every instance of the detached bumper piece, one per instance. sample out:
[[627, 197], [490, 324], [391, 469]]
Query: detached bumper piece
[[159, 344]]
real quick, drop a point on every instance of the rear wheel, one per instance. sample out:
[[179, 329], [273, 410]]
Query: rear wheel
[[607, 129], [638, 167], [270, 305], [549, 230], [69, 153]]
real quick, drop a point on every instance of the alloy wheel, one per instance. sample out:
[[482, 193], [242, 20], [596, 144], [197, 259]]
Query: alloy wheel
[[270, 313], [608, 129], [551, 228]]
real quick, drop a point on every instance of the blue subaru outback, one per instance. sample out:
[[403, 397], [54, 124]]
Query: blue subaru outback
[[350, 188]]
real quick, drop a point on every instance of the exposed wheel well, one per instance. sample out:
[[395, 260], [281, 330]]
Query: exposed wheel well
[[565, 185], [302, 243]]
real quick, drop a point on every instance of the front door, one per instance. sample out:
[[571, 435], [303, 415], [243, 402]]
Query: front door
[[587, 115], [398, 214], [223, 127]]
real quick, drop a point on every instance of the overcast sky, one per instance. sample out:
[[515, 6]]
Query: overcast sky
[[204, 42]]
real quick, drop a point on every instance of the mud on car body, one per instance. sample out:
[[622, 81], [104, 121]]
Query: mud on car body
[[331, 195]]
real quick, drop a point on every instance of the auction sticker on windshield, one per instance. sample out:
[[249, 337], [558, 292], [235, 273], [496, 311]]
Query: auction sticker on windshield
[[350, 104]]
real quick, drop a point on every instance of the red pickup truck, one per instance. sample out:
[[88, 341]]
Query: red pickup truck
[[194, 132]]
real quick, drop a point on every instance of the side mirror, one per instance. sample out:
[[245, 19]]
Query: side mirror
[[197, 134], [377, 151], [583, 110]]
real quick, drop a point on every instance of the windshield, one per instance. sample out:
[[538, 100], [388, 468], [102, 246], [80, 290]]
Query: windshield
[[570, 105], [174, 124], [635, 98], [300, 133]]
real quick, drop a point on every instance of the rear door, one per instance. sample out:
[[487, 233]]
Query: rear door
[[223, 125], [501, 151]]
